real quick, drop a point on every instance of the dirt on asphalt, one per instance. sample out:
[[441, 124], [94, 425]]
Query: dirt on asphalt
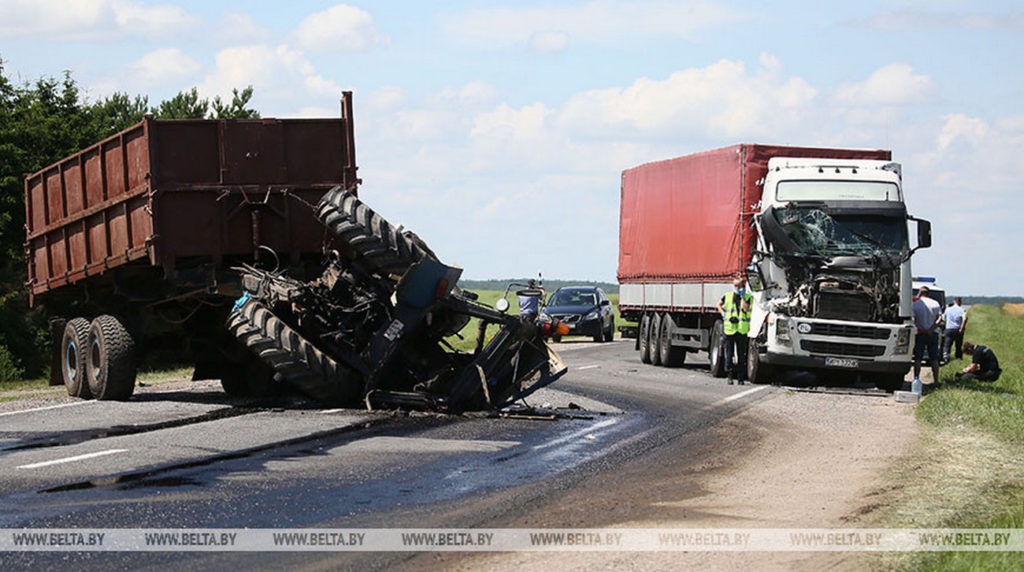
[[794, 460]]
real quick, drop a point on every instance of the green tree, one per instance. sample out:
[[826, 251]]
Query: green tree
[[185, 105], [237, 109], [118, 112]]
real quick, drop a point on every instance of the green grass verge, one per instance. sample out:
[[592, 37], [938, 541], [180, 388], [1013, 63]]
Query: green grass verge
[[968, 471]]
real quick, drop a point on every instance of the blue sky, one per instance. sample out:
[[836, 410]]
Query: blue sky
[[498, 130]]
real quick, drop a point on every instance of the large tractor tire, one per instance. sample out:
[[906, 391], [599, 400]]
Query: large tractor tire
[[298, 362], [384, 249], [74, 348], [110, 360]]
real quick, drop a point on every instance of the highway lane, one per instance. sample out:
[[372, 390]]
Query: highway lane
[[210, 463]]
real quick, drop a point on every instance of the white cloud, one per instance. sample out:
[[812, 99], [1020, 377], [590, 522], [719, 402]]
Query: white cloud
[[923, 19], [720, 100], [341, 28], [551, 27], [891, 85], [524, 123], [93, 20], [168, 66]]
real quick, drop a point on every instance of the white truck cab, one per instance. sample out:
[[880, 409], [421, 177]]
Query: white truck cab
[[831, 273]]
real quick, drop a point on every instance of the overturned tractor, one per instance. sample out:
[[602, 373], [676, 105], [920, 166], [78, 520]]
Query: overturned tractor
[[372, 328]]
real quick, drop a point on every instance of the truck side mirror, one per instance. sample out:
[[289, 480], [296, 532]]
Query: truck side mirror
[[924, 233], [754, 277]]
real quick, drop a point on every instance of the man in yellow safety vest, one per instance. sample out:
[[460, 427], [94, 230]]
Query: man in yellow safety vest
[[735, 310]]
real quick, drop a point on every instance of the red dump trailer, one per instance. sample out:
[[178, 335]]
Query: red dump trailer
[[130, 242]]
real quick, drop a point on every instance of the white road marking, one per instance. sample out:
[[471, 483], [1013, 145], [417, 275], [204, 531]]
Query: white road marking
[[45, 408], [736, 396], [589, 366], [577, 434], [73, 459]]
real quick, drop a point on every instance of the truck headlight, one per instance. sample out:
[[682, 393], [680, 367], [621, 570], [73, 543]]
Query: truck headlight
[[902, 341], [782, 331]]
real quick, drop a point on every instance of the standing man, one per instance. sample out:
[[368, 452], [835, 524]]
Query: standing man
[[956, 322], [735, 310], [926, 317], [984, 365], [529, 306]]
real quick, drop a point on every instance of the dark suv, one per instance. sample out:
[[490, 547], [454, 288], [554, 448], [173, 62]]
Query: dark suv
[[585, 309]]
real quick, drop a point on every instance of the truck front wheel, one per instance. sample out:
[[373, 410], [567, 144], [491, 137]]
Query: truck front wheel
[[715, 353], [74, 347], [757, 372], [110, 360]]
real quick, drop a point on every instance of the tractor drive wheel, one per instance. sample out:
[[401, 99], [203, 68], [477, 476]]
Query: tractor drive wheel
[[295, 359], [383, 248], [253, 378], [110, 360], [74, 347]]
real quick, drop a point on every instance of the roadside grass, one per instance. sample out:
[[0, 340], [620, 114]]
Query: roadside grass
[[968, 471]]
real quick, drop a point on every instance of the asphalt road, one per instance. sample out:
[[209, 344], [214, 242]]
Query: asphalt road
[[183, 460]]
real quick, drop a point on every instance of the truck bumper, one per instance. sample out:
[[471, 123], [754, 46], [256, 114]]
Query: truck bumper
[[835, 364]]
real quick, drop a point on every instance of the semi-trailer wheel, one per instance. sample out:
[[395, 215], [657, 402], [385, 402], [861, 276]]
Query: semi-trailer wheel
[[716, 353], [671, 356], [655, 335], [644, 338], [383, 248], [74, 347], [295, 359], [110, 360]]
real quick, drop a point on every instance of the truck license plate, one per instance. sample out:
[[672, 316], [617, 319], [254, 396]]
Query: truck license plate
[[840, 362]]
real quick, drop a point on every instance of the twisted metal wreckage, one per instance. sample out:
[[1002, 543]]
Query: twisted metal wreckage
[[371, 328]]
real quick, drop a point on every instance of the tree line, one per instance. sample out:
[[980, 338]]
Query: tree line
[[41, 122]]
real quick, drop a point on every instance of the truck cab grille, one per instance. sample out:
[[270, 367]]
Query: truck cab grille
[[849, 331], [841, 349]]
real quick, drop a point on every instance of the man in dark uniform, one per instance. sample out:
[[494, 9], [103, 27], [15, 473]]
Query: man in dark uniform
[[984, 365]]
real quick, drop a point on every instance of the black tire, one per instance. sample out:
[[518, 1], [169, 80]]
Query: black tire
[[556, 338], [298, 362], [655, 334], [599, 336], [671, 356], [381, 247], [74, 346], [757, 372], [645, 338], [716, 353], [610, 334], [110, 359]]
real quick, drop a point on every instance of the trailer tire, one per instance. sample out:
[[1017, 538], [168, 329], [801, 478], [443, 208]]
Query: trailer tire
[[110, 359], [654, 332], [383, 248], [73, 349], [715, 350], [670, 356], [644, 338], [298, 362]]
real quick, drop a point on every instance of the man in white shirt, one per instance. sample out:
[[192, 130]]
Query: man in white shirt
[[956, 322], [926, 317]]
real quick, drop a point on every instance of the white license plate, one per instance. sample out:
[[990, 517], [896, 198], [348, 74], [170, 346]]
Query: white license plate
[[840, 362]]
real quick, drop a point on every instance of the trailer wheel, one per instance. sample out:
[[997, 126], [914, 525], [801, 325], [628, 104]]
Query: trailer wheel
[[715, 350], [654, 332], [757, 372], [74, 347], [110, 359], [298, 362], [670, 356], [385, 249], [644, 338]]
